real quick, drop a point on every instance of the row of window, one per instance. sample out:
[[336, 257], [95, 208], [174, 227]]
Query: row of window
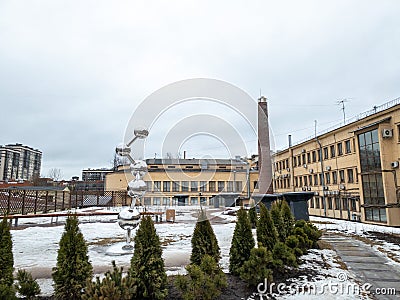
[[335, 203], [348, 175], [313, 156], [168, 201], [194, 186]]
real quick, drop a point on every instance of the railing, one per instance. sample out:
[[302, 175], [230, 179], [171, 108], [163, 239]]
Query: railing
[[356, 118], [35, 202]]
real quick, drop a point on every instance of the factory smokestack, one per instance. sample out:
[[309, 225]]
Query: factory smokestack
[[290, 140], [264, 149]]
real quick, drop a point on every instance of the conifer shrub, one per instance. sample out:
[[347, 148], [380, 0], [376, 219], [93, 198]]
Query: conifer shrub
[[283, 256], [267, 235], [242, 243], [73, 267], [253, 214], [6, 262], [114, 286], [26, 285], [310, 230], [292, 241], [147, 264], [204, 240], [276, 215], [258, 267], [287, 218], [204, 281]]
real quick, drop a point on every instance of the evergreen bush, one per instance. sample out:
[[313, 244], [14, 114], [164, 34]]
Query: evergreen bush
[[283, 256], [310, 230], [276, 215], [253, 214], [114, 286], [287, 218], [147, 264], [258, 267], [6, 262], [204, 281], [242, 242], [26, 285], [73, 267], [204, 240], [267, 235]]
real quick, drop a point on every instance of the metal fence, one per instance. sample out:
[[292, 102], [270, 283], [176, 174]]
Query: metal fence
[[35, 202]]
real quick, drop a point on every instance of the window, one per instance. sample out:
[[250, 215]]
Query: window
[[300, 181], [287, 163], [315, 179], [294, 162], [305, 180], [308, 157], [333, 154], [203, 186], [327, 178], [229, 186], [211, 186], [323, 202], [239, 186], [185, 186], [329, 203], [175, 186], [339, 149], [166, 186], [345, 203], [371, 178], [348, 146], [157, 201], [310, 179], [165, 201], [334, 177], [147, 201], [148, 186], [326, 155], [157, 186], [304, 159], [255, 184], [321, 178], [317, 205], [337, 203], [221, 186], [312, 203], [314, 156], [299, 160], [350, 176], [341, 175], [194, 186], [319, 154], [296, 182], [194, 200], [203, 200]]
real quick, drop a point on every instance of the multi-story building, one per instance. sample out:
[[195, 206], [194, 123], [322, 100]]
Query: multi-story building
[[191, 181], [95, 174], [353, 170], [19, 162]]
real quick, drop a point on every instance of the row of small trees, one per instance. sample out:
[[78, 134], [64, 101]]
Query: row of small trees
[[281, 241]]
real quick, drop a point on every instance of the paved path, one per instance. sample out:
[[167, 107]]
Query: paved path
[[366, 263]]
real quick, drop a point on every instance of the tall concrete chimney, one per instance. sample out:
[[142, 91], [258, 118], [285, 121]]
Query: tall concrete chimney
[[264, 150]]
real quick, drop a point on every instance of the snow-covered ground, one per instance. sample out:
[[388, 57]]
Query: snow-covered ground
[[35, 246]]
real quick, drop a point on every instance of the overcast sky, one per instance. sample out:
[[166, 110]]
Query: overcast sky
[[73, 72]]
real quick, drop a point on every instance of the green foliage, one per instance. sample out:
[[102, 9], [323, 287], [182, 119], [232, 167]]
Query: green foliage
[[310, 230], [283, 256], [26, 285], [204, 240], [7, 292], [287, 217], [267, 234], [73, 266], [203, 281], [277, 218], [114, 286], [6, 255], [242, 242], [257, 267], [147, 265], [253, 214]]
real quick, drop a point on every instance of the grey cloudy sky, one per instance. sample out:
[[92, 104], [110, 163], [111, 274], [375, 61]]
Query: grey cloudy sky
[[73, 72]]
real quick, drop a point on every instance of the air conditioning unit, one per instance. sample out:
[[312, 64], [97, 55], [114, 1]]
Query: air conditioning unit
[[394, 164], [328, 168], [288, 169], [387, 133], [305, 166], [303, 151], [304, 188], [309, 188], [311, 171], [342, 187], [335, 193], [325, 188]]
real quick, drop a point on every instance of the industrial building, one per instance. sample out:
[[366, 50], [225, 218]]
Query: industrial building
[[353, 170], [19, 162]]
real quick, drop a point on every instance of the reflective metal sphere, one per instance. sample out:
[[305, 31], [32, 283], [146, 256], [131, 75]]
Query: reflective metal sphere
[[139, 167], [123, 150], [129, 218], [141, 133]]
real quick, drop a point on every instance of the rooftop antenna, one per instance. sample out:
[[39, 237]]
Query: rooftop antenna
[[342, 102]]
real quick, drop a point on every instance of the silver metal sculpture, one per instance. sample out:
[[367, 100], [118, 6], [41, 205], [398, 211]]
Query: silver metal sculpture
[[129, 218]]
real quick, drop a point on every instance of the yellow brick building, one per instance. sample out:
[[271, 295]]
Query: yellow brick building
[[214, 182], [353, 170]]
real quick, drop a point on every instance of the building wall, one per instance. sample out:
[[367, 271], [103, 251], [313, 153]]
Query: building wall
[[357, 165], [19, 162], [219, 178]]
